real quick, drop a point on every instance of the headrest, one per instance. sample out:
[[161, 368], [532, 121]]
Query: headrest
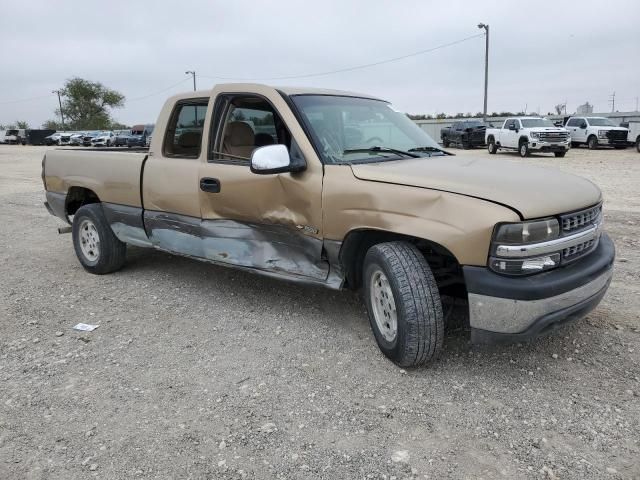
[[239, 134], [190, 139]]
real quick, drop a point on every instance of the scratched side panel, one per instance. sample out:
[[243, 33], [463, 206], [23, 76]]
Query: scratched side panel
[[126, 223], [271, 248]]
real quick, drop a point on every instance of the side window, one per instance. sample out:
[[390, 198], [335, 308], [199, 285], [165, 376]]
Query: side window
[[247, 123], [573, 122], [183, 137], [510, 122], [457, 126], [516, 122]]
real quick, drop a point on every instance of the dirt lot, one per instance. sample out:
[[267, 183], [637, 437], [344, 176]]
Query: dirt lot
[[199, 371]]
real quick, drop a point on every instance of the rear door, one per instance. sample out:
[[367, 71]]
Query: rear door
[[170, 178], [269, 222]]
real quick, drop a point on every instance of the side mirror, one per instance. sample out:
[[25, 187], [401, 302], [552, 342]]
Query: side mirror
[[583, 125], [272, 159], [512, 127]]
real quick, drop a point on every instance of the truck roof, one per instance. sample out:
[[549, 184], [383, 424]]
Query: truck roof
[[249, 87]]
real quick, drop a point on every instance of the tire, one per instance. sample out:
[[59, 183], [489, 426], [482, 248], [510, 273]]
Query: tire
[[445, 142], [638, 144], [108, 143], [592, 142], [620, 147], [559, 154], [523, 149], [575, 144], [398, 274], [97, 248], [491, 146]]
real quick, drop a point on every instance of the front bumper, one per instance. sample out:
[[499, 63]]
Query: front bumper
[[542, 146], [512, 309]]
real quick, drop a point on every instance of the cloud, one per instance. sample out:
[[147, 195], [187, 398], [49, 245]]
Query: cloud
[[540, 54]]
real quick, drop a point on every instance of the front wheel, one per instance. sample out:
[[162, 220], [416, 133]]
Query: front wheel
[[523, 150], [491, 146], [559, 154], [403, 303], [592, 143], [97, 248]]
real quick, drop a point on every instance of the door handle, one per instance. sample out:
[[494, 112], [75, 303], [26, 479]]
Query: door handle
[[211, 185]]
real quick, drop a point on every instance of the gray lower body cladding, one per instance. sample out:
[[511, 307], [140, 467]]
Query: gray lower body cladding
[[275, 250]]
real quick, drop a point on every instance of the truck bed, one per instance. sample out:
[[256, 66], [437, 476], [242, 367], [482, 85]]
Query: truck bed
[[114, 176]]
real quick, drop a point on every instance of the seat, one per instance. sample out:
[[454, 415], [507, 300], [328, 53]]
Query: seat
[[189, 143], [239, 140]]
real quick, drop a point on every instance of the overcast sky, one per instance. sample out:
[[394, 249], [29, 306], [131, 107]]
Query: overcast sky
[[541, 53]]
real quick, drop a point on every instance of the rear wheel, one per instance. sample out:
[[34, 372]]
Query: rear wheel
[[559, 154], [403, 303], [592, 142], [491, 146], [523, 149], [97, 248], [638, 144], [445, 142]]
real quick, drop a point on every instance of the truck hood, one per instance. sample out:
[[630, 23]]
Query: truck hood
[[532, 191]]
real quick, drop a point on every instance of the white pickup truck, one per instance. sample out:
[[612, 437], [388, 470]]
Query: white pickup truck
[[528, 134], [596, 131]]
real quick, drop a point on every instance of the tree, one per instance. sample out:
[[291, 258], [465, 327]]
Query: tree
[[51, 125], [559, 108], [87, 105], [21, 124]]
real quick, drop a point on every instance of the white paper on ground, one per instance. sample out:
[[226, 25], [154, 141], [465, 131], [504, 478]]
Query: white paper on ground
[[85, 327]]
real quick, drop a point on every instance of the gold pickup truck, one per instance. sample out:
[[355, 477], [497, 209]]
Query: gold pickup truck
[[339, 189]]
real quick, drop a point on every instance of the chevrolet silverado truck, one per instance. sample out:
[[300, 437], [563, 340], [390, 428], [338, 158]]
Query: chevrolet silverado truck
[[528, 134], [596, 132], [338, 189], [468, 133]]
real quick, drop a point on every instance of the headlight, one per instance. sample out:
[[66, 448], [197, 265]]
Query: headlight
[[602, 133], [509, 235], [527, 232], [534, 135]]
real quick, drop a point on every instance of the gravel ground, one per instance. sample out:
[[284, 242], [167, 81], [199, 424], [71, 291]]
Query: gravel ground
[[198, 371]]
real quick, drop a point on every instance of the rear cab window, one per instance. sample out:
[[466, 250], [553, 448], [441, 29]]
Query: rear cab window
[[183, 137]]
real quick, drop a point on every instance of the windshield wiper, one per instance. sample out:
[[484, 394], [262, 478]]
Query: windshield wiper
[[383, 150], [429, 149]]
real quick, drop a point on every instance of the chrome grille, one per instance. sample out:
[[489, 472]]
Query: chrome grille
[[579, 220], [576, 251], [553, 136]]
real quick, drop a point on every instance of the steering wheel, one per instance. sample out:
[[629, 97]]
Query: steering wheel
[[377, 140]]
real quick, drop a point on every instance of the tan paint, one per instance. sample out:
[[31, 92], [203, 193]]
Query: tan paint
[[113, 176], [401, 197], [292, 200], [461, 224]]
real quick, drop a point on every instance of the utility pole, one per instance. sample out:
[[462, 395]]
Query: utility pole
[[486, 67], [192, 73], [636, 104], [612, 101], [60, 92]]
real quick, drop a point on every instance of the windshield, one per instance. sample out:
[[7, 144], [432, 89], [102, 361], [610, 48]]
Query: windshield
[[536, 122], [600, 122], [350, 129], [12, 132]]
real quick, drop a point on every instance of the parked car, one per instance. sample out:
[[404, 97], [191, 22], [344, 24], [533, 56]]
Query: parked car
[[595, 132], [88, 136], [528, 134], [468, 133], [633, 137], [77, 139], [139, 134], [3, 134], [103, 139], [64, 138], [121, 138], [15, 136], [402, 220], [52, 139], [37, 136]]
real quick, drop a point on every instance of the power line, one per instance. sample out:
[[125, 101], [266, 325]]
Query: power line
[[348, 69], [158, 92], [26, 99]]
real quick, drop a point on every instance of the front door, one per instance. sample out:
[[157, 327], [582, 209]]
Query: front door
[[272, 222]]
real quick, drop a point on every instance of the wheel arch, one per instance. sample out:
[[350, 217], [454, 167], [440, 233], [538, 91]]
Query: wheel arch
[[444, 265], [78, 197], [522, 139]]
